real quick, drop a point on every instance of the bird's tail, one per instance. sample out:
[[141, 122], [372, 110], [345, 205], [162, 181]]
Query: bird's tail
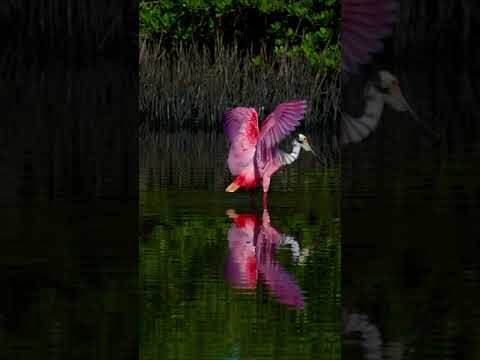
[[232, 187], [244, 180]]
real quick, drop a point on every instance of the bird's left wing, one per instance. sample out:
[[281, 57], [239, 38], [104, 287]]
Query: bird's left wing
[[276, 127], [240, 125]]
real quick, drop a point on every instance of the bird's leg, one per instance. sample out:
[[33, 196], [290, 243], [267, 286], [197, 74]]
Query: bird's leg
[[264, 200]]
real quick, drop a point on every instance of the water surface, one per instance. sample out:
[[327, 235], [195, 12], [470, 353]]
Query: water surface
[[410, 235], [221, 278]]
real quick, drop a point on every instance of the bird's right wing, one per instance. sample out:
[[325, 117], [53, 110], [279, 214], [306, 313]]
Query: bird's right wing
[[363, 25], [240, 125], [276, 127]]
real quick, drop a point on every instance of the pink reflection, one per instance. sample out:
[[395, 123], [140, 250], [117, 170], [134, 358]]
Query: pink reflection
[[252, 242]]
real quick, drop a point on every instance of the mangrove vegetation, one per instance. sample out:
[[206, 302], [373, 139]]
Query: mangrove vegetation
[[198, 58]]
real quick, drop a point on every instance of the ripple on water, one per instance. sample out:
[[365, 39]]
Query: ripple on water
[[247, 285]]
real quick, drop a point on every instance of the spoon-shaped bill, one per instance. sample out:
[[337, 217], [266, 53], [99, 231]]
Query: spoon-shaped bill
[[396, 99], [306, 146], [425, 127]]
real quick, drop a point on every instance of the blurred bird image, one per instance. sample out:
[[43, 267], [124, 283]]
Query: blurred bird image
[[364, 25]]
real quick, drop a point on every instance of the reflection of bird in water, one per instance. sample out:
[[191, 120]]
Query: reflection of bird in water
[[364, 24], [254, 155], [252, 243], [372, 344], [369, 332]]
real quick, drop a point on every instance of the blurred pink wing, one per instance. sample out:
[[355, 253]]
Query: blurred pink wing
[[364, 23], [240, 264], [282, 284], [240, 125], [276, 127]]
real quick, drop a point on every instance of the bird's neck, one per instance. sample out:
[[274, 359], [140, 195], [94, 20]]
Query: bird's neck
[[288, 158]]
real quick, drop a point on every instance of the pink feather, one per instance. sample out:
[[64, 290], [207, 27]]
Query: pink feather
[[276, 127], [252, 243], [241, 127], [363, 26]]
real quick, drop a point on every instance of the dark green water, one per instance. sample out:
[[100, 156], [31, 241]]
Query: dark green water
[[410, 244], [410, 208], [266, 286]]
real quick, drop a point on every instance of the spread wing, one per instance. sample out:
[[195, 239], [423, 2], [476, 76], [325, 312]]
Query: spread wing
[[282, 284], [364, 23], [276, 127], [240, 125]]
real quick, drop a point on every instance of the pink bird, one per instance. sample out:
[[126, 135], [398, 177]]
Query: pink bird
[[254, 155], [252, 243]]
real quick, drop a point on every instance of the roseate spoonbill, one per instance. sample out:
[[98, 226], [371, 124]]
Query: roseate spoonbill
[[254, 155], [252, 242], [356, 127], [363, 26]]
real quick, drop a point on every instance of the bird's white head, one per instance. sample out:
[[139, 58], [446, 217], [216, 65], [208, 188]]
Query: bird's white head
[[302, 139], [387, 79], [305, 145], [394, 96]]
